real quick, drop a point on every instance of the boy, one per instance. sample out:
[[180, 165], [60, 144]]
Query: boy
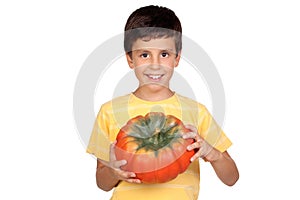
[[152, 43]]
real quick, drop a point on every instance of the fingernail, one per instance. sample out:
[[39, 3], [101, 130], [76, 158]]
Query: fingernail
[[136, 181], [124, 162]]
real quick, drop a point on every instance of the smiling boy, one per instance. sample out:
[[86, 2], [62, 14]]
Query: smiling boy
[[154, 62], [153, 49]]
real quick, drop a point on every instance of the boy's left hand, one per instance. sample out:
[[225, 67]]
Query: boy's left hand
[[205, 150]]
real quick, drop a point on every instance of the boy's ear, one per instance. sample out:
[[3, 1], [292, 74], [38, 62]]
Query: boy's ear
[[129, 60], [177, 59]]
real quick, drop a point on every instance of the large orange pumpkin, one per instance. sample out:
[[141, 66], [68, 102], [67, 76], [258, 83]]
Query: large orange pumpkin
[[153, 147]]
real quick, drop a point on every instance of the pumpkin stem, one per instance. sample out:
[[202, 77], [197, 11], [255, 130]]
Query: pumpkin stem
[[156, 136], [159, 139], [157, 131]]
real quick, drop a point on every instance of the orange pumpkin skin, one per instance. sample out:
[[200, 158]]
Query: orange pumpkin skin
[[153, 147]]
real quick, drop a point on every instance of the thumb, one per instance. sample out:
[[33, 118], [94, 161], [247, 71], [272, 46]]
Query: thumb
[[112, 155], [191, 127], [113, 160], [119, 163]]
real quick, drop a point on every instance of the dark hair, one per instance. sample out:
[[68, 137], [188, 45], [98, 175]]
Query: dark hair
[[152, 22]]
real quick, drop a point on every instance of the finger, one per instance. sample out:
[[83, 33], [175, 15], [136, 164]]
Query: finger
[[118, 163], [193, 135], [191, 127], [189, 135], [199, 154], [127, 176], [195, 145], [196, 156], [133, 181], [112, 155]]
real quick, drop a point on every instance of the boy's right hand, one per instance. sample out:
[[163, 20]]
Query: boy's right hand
[[115, 167]]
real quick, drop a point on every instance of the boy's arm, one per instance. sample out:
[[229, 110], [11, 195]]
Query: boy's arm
[[225, 168], [104, 177], [109, 174]]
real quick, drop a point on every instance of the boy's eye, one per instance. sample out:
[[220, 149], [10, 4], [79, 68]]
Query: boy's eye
[[164, 54], [144, 55]]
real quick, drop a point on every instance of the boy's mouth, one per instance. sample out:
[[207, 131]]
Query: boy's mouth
[[155, 77]]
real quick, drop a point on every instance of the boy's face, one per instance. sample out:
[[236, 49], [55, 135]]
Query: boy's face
[[154, 61]]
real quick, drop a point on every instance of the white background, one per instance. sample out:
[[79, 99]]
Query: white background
[[254, 44]]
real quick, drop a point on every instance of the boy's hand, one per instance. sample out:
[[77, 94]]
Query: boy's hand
[[115, 167], [206, 151]]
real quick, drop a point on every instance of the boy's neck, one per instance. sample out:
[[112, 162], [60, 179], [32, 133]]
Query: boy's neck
[[153, 95]]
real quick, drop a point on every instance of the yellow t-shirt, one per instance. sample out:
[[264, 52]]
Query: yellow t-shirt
[[114, 114]]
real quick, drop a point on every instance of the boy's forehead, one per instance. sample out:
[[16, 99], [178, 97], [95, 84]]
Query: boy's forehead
[[156, 43]]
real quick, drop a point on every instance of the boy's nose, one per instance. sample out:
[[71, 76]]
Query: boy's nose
[[155, 60], [154, 66]]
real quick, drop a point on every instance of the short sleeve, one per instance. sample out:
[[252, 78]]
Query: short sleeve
[[99, 143], [211, 131]]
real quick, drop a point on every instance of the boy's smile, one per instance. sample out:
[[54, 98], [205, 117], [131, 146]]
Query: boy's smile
[[154, 61], [155, 77]]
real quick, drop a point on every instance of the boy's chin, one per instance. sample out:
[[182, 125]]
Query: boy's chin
[[154, 86]]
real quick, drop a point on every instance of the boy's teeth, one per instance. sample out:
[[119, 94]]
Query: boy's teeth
[[155, 76]]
